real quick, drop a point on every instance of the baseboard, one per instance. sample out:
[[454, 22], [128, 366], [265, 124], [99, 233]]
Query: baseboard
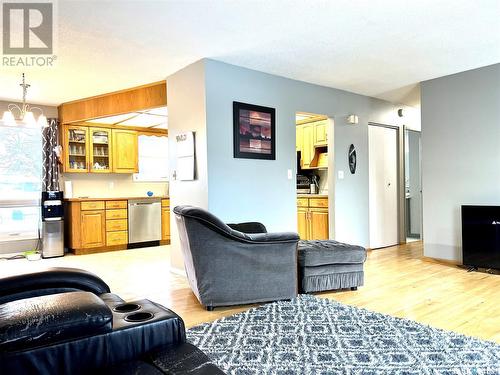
[[447, 262]]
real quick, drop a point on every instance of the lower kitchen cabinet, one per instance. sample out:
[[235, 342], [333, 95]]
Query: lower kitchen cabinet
[[117, 238], [319, 223], [165, 220], [303, 222], [102, 225], [93, 232], [312, 218]]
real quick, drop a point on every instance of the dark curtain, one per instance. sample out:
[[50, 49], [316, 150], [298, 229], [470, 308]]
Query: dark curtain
[[50, 143]]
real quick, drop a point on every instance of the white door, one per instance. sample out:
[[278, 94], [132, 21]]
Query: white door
[[383, 169]]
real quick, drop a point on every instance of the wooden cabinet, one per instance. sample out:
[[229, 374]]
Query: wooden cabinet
[[116, 223], [303, 222], [100, 147], [125, 151], [165, 220], [320, 133], [318, 218], [299, 135], [102, 225], [75, 143], [312, 218], [99, 150], [93, 233], [307, 145], [309, 137]]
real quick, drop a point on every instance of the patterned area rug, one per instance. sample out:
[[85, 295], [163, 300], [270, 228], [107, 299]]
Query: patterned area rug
[[311, 335]]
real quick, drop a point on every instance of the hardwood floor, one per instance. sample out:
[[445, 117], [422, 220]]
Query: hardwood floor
[[398, 282]]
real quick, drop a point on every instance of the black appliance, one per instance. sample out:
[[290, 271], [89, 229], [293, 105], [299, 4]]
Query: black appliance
[[52, 207], [481, 236], [52, 224], [303, 184]]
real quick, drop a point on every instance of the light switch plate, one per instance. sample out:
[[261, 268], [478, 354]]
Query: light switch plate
[[290, 174], [341, 175]]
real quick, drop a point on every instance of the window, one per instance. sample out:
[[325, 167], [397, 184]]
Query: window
[[153, 159], [20, 182]]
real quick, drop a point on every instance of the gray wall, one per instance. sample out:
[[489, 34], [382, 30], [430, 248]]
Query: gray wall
[[460, 153], [243, 189], [186, 112]]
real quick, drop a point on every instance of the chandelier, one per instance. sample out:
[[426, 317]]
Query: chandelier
[[24, 113]]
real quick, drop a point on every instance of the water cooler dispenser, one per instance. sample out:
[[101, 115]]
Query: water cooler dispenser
[[52, 224]]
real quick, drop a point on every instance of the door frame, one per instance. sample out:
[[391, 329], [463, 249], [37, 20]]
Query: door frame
[[405, 129], [400, 178]]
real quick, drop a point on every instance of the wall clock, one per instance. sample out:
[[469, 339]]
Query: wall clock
[[352, 158]]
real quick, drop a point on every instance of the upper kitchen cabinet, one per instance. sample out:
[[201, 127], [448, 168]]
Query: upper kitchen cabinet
[[100, 134], [307, 145], [100, 150], [312, 141], [76, 148], [125, 151], [320, 133]]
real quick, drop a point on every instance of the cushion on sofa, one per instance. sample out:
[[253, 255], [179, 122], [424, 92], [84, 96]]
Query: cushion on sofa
[[319, 253], [36, 321]]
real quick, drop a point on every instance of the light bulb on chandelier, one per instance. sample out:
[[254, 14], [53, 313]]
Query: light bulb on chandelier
[[24, 112]]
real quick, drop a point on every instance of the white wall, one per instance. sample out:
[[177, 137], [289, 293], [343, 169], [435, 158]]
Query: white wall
[[187, 112], [111, 185], [460, 153]]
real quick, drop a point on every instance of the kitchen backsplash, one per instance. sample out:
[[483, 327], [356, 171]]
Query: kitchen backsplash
[[111, 185]]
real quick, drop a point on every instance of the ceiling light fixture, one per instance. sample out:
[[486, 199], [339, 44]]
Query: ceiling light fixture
[[24, 112]]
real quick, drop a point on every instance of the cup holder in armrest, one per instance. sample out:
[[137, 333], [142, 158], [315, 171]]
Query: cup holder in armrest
[[139, 317], [126, 307]]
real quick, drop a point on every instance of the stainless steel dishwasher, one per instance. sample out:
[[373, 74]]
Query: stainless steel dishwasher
[[144, 220]]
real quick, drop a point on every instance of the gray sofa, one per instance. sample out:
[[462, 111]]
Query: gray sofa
[[237, 264]]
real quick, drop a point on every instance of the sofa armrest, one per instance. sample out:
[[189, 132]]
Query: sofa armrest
[[284, 237], [250, 227], [50, 281], [44, 320]]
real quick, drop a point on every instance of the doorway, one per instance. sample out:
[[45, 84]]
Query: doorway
[[314, 136], [413, 185], [383, 185]]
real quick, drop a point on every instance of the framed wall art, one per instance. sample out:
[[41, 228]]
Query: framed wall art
[[254, 130]]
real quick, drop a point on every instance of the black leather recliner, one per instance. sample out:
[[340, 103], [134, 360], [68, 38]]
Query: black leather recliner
[[66, 321]]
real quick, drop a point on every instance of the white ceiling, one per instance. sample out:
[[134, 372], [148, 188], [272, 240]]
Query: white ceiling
[[379, 48]]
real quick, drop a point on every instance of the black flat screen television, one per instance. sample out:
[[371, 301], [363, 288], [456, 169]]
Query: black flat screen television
[[481, 236]]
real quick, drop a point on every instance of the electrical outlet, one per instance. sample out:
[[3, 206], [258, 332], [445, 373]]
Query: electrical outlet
[[290, 174], [341, 175]]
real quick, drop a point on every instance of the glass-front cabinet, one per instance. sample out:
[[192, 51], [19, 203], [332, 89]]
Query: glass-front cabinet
[[76, 149], [90, 149], [100, 150]]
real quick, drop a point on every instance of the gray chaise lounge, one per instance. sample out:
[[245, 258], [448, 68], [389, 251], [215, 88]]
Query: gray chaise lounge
[[228, 267], [328, 265]]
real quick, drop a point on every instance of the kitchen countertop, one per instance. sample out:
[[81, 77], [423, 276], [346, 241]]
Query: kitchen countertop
[[312, 196], [86, 199]]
